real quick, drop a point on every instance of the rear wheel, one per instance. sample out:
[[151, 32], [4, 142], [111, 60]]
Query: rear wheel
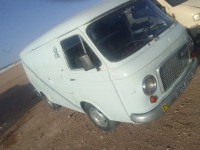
[[51, 104], [99, 119]]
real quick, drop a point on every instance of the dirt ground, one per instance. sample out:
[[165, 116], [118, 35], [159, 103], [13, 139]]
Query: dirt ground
[[27, 123]]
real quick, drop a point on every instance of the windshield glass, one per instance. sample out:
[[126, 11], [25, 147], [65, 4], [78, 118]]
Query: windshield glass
[[175, 2], [122, 33]]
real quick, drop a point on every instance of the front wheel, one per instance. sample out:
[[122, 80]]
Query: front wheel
[[99, 119]]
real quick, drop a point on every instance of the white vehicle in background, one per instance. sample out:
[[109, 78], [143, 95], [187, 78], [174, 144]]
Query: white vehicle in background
[[120, 61], [186, 12]]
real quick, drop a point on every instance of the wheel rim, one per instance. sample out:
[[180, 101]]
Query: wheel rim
[[98, 117]]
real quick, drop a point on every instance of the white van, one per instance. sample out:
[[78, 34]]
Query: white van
[[120, 61]]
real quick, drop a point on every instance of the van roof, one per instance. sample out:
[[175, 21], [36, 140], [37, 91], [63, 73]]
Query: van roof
[[73, 23]]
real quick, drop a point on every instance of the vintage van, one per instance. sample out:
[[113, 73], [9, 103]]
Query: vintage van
[[186, 12], [119, 61]]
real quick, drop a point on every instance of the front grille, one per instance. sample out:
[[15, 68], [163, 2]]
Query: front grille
[[174, 67]]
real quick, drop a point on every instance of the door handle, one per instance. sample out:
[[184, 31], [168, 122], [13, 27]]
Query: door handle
[[72, 79]]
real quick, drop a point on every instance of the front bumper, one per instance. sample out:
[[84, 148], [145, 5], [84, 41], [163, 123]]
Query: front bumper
[[168, 101]]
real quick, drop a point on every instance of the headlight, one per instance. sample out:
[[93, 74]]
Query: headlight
[[196, 17], [149, 85]]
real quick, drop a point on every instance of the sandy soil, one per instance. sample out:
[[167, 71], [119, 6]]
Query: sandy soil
[[27, 122]]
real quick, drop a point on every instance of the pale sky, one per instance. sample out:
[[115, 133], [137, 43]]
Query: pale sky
[[23, 21]]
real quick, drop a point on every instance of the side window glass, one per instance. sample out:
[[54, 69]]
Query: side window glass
[[95, 60], [73, 49]]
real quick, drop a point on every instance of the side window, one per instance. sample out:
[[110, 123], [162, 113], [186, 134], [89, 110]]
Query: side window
[[73, 49]]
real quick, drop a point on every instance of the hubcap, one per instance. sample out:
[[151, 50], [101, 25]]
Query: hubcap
[[98, 117]]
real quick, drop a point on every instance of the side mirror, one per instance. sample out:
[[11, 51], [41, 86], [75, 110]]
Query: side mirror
[[86, 62]]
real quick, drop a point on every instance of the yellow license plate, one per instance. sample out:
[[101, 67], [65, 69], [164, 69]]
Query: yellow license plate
[[164, 107]]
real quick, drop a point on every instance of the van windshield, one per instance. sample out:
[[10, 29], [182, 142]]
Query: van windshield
[[125, 31], [175, 2]]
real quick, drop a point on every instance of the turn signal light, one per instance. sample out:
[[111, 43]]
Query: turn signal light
[[153, 99]]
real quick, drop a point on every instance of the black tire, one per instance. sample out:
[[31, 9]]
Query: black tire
[[99, 119], [51, 104]]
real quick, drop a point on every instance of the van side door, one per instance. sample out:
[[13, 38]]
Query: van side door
[[94, 85], [57, 77]]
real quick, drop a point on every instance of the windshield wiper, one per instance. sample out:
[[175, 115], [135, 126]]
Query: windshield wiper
[[153, 27], [140, 40]]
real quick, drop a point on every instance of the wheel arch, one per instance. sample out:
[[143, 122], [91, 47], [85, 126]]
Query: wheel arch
[[82, 104], [42, 94]]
